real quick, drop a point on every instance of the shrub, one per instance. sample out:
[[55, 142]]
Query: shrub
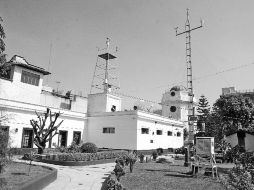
[[3, 163], [130, 159], [119, 171], [141, 157], [159, 151], [154, 155], [89, 148], [180, 150], [240, 179], [112, 184], [61, 149]]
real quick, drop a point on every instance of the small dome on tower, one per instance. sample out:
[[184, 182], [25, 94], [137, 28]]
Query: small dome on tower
[[178, 88]]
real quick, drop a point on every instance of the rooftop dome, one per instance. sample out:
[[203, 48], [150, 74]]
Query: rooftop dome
[[178, 88]]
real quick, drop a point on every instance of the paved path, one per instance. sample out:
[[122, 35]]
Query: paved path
[[79, 177]]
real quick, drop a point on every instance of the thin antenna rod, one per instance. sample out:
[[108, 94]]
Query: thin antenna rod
[[50, 52]]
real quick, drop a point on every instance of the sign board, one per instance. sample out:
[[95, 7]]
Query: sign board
[[205, 146], [193, 118]]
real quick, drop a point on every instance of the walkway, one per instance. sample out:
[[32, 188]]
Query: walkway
[[79, 177]]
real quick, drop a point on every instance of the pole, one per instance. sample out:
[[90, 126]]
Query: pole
[[191, 111]]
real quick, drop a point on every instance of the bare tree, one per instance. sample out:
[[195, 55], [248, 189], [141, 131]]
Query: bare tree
[[43, 132]]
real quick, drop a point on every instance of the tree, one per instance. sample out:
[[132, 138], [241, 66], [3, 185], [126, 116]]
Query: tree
[[203, 110], [234, 112], [203, 106], [44, 133]]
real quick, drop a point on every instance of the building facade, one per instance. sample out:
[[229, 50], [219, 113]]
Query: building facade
[[98, 118], [22, 94]]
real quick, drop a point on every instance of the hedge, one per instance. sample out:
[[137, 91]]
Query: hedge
[[83, 156]]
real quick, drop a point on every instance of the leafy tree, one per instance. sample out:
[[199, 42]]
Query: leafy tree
[[234, 112], [2, 44], [44, 133]]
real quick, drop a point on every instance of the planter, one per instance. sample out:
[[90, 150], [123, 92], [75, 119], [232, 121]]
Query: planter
[[78, 163]]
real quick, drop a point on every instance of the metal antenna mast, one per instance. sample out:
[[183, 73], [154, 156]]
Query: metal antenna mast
[[187, 31], [104, 78]]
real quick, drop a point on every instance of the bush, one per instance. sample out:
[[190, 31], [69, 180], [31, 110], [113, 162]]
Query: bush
[[154, 155], [119, 171], [180, 150], [141, 157], [240, 179], [112, 184], [159, 151], [86, 156], [89, 148]]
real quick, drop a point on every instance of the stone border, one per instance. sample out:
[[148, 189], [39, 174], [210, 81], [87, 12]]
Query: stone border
[[77, 163], [41, 181]]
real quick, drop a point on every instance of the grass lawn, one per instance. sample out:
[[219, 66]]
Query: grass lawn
[[17, 173], [157, 176]]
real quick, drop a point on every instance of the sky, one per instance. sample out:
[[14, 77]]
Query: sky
[[150, 57]]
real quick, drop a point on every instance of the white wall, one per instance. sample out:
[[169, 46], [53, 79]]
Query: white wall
[[159, 141], [96, 103], [102, 102], [19, 115], [232, 139], [249, 142], [18, 90], [125, 136]]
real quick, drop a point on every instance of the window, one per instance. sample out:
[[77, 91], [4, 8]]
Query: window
[[178, 134], [62, 138], [27, 138], [172, 108], [30, 78], [158, 132], [76, 137], [144, 131], [170, 133], [108, 130]]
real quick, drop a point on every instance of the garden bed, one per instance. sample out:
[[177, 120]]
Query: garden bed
[[18, 176], [159, 176], [78, 163], [80, 159]]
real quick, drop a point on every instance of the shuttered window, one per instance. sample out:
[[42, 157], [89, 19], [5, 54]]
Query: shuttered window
[[30, 78]]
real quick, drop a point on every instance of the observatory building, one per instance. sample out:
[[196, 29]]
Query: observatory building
[[98, 118]]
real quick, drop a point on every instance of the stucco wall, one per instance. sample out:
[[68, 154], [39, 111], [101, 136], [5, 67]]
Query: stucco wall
[[125, 136], [159, 141], [19, 115], [103, 102], [232, 139], [249, 142], [20, 91]]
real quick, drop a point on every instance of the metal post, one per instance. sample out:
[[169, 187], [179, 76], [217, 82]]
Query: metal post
[[191, 111]]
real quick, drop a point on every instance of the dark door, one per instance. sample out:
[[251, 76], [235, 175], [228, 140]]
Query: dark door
[[77, 137], [27, 139], [62, 138]]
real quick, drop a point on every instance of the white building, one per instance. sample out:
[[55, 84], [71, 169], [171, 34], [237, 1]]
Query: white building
[[110, 127], [96, 119], [22, 93]]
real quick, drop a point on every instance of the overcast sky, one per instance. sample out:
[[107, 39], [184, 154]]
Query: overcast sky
[[151, 58]]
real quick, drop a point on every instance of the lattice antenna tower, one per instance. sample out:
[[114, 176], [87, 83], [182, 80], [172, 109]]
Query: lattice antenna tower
[[187, 33], [105, 73]]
